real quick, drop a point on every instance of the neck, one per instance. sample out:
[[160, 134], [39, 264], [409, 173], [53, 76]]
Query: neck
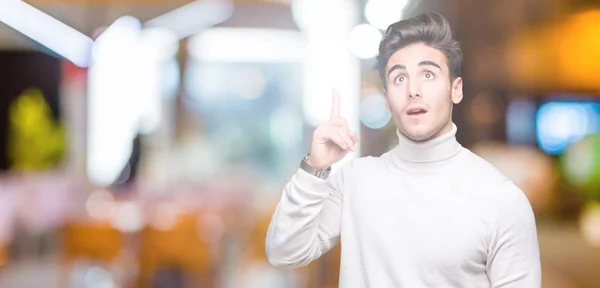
[[438, 149]]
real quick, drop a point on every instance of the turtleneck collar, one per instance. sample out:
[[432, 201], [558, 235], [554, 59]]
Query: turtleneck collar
[[434, 150]]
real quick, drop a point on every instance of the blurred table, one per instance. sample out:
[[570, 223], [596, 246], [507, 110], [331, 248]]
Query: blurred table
[[567, 261]]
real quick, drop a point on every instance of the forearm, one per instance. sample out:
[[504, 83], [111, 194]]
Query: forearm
[[306, 222]]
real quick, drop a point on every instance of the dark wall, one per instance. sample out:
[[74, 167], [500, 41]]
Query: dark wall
[[20, 70]]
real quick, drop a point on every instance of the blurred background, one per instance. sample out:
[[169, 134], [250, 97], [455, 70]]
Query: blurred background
[[145, 143]]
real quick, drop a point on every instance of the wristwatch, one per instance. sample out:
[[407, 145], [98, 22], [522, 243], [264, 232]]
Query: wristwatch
[[319, 173]]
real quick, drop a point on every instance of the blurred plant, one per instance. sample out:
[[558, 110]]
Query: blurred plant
[[36, 141], [581, 166]]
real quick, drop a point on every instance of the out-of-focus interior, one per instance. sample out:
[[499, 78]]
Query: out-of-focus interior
[[145, 143]]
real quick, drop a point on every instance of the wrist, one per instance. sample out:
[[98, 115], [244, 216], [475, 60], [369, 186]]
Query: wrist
[[311, 163], [308, 167]]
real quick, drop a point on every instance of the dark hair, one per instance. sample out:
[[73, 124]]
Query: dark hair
[[431, 29]]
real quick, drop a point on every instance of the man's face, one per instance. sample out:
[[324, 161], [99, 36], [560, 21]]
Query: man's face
[[419, 92]]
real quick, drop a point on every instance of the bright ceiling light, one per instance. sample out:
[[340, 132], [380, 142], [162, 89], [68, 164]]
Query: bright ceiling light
[[194, 17], [364, 40], [259, 45], [46, 30], [383, 13]]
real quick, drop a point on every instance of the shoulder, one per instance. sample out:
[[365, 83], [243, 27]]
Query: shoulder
[[353, 167], [345, 173], [480, 169], [502, 193], [360, 165]]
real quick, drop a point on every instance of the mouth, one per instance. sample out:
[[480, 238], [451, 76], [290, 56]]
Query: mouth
[[416, 111]]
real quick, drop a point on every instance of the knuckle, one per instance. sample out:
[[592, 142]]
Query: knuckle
[[332, 123]]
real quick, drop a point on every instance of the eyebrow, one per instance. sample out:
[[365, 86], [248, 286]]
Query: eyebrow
[[422, 63]]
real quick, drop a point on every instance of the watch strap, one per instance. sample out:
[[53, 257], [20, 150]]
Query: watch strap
[[319, 173]]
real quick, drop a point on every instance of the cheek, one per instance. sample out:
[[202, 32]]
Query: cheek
[[396, 97], [439, 98], [396, 104], [437, 89], [438, 93]]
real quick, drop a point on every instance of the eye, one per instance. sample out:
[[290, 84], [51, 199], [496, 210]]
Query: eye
[[428, 75], [400, 79]]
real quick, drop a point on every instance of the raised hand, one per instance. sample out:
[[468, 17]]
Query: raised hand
[[332, 140]]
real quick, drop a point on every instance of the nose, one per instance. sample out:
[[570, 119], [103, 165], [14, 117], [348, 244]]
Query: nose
[[414, 91]]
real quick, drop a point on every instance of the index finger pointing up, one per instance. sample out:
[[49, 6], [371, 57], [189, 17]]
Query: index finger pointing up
[[335, 106]]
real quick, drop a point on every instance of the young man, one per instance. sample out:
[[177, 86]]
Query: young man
[[428, 213]]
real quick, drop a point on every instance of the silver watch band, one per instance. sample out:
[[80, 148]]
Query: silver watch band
[[319, 173]]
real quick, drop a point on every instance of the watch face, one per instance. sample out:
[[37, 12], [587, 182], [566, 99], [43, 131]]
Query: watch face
[[321, 173], [313, 171]]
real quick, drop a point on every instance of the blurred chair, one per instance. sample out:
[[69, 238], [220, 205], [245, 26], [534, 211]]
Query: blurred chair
[[258, 234], [179, 247], [254, 269], [91, 240], [3, 255]]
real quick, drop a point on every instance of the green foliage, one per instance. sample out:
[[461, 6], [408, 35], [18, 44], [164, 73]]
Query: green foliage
[[36, 141]]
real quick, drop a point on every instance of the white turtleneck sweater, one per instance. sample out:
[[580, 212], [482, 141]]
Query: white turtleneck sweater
[[429, 214]]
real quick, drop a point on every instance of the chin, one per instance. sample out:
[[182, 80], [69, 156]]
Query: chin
[[420, 137], [419, 134]]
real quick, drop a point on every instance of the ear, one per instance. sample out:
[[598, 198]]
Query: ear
[[457, 90]]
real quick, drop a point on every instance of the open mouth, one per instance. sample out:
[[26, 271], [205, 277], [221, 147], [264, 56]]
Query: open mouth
[[416, 111]]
